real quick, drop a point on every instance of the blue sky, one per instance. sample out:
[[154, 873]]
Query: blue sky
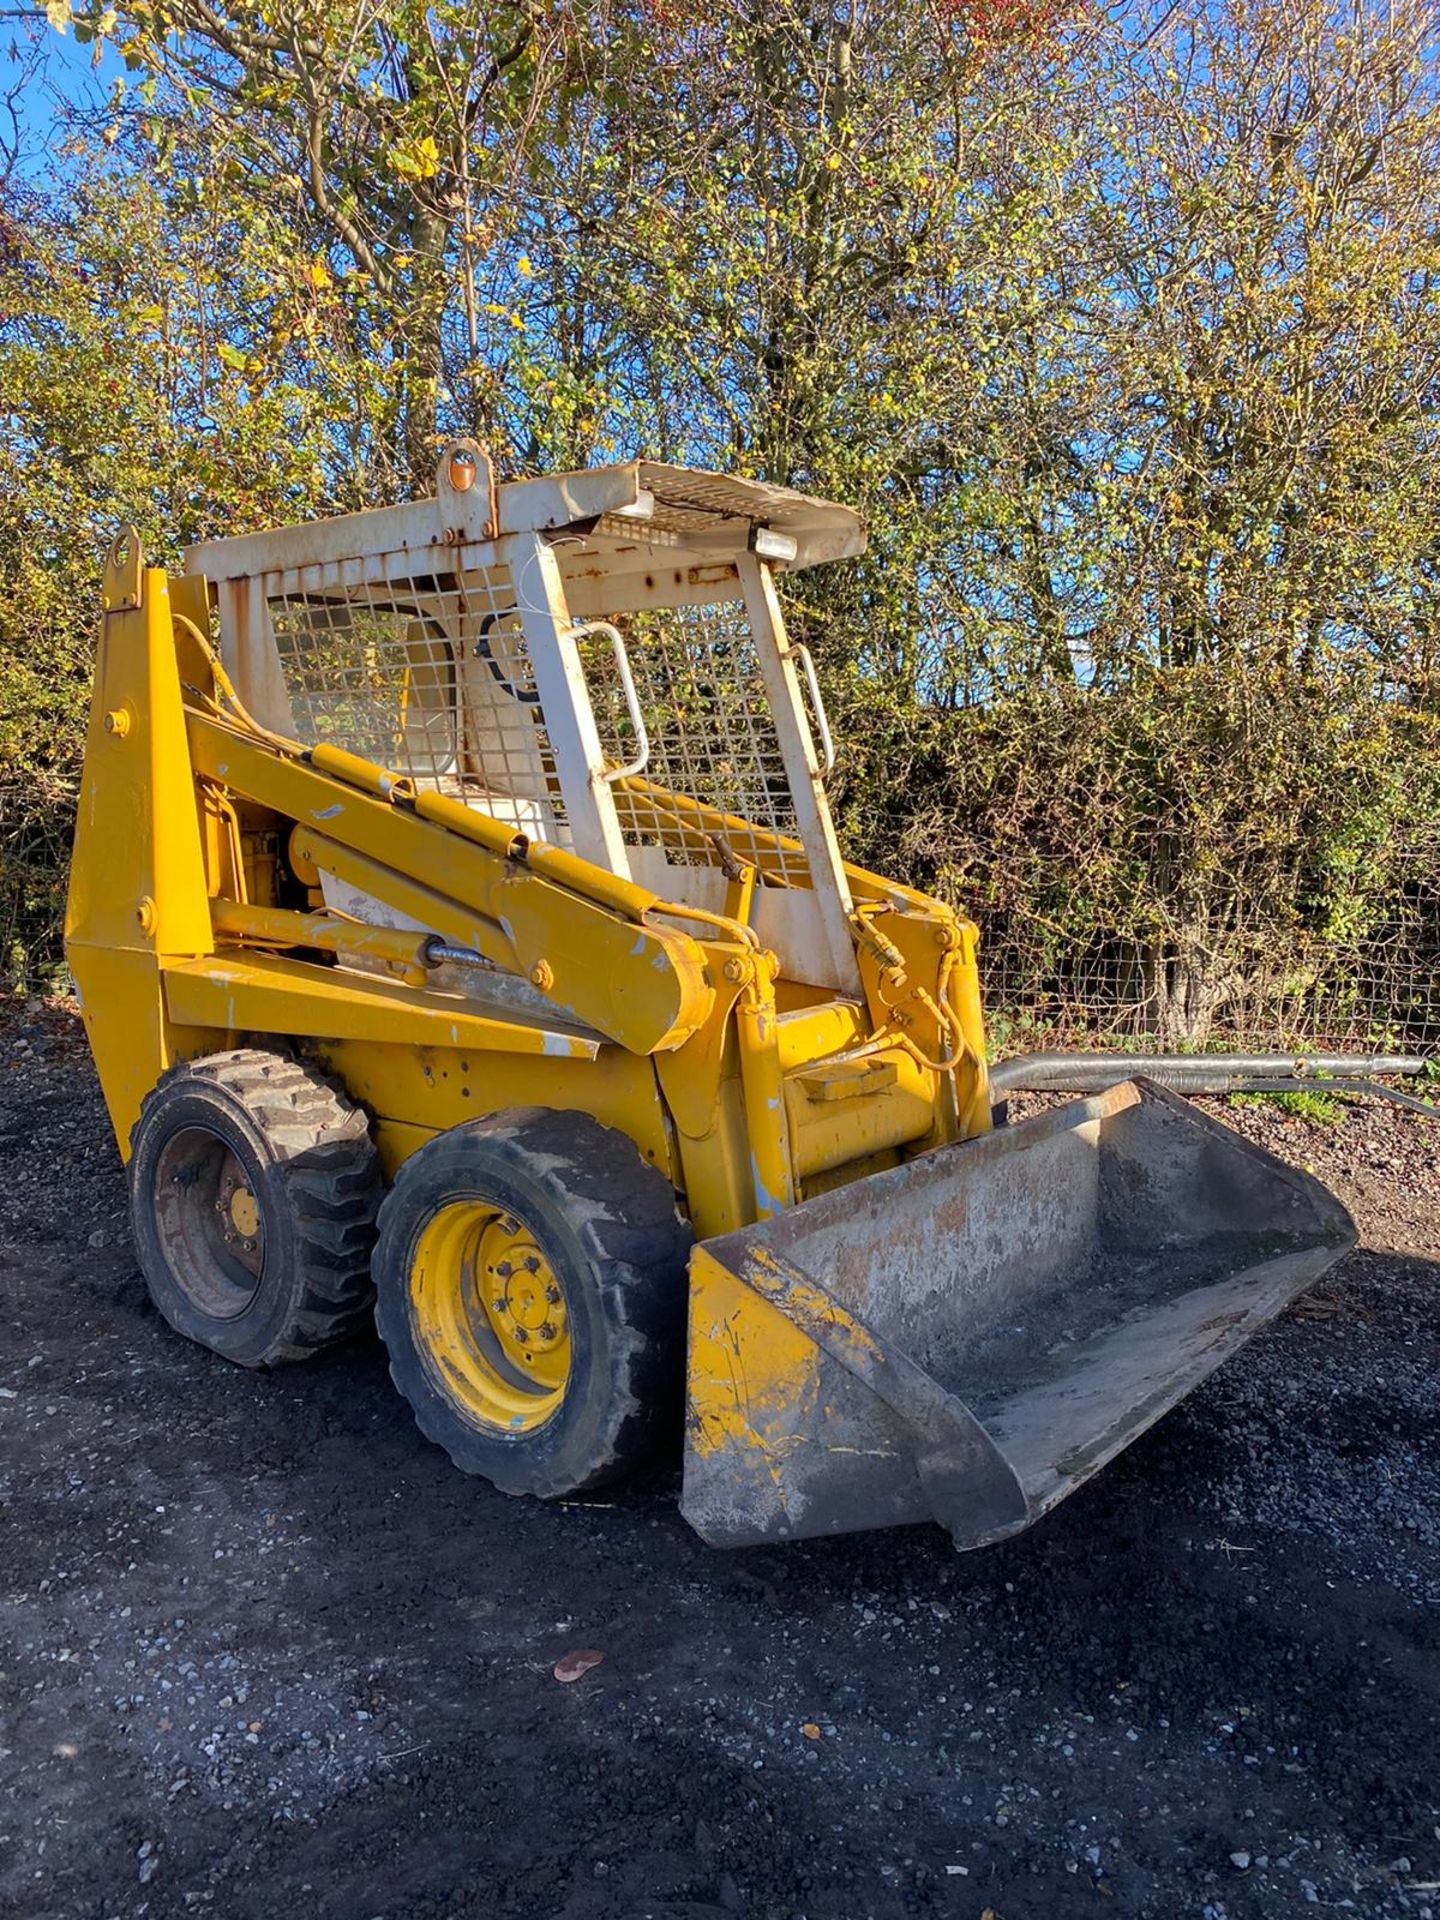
[[65, 76]]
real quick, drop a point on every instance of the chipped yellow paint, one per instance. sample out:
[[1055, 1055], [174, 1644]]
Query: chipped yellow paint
[[754, 1376], [256, 992], [799, 1298]]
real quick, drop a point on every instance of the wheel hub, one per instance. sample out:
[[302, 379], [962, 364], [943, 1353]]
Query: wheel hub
[[209, 1221], [244, 1213], [492, 1315]]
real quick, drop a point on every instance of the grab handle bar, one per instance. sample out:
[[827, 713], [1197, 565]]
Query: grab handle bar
[[632, 699], [801, 653]]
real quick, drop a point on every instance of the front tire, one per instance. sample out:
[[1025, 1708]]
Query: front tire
[[530, 1289]]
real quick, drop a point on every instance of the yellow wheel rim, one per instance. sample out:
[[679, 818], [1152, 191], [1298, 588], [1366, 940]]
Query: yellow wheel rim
[[490, 1316]]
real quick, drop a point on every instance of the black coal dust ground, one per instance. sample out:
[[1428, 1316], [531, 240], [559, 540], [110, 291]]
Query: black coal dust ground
[[264, 1652]]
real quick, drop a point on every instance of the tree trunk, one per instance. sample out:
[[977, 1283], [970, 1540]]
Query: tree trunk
[[421, 344]]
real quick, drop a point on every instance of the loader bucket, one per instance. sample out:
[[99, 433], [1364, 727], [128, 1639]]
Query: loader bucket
[[968, 1337]]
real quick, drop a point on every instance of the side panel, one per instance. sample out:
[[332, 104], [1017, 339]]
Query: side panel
[[137, 879], [415, 1092]]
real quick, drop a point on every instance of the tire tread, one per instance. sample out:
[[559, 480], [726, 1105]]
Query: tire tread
[[300, 1111]]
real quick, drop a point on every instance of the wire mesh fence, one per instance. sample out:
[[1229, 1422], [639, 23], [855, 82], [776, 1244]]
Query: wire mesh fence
[[1376, 985], [431, 677]]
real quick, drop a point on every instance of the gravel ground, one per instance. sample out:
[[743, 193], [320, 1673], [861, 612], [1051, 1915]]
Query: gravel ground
[[262, 1651]]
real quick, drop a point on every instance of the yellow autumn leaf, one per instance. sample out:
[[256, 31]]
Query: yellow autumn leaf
[[522, 265], [317, 273], [416, 159]]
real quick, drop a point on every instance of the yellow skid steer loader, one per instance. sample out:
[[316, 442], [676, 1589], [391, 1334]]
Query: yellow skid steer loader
[[462, 932]]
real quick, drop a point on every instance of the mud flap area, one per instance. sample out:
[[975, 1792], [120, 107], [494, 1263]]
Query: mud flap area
[[968, 1337]]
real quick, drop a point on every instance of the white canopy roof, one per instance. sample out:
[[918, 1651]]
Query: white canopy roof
[[697, 517]]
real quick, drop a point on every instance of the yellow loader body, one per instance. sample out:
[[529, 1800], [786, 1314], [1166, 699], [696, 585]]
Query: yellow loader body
[[371, 797]]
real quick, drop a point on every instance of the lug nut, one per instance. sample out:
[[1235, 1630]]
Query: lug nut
[[547, 1332], [552, 1294], [504, 1270], [532, 1263]]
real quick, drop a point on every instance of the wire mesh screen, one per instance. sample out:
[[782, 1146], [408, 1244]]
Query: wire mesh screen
[[379, 681], [712, 738], [430, 677]]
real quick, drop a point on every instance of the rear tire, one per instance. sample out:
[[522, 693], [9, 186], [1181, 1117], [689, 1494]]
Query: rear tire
[[254, 1189], [530, 1289]]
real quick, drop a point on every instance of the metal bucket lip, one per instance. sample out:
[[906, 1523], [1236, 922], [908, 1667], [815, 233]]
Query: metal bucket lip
[[1334, 1222]]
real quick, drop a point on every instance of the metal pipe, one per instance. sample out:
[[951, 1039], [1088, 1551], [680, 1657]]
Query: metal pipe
[[1187, 1072]]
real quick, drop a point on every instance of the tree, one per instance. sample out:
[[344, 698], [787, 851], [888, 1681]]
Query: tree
[[1122, 330], [392, 141], [121, 399]]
